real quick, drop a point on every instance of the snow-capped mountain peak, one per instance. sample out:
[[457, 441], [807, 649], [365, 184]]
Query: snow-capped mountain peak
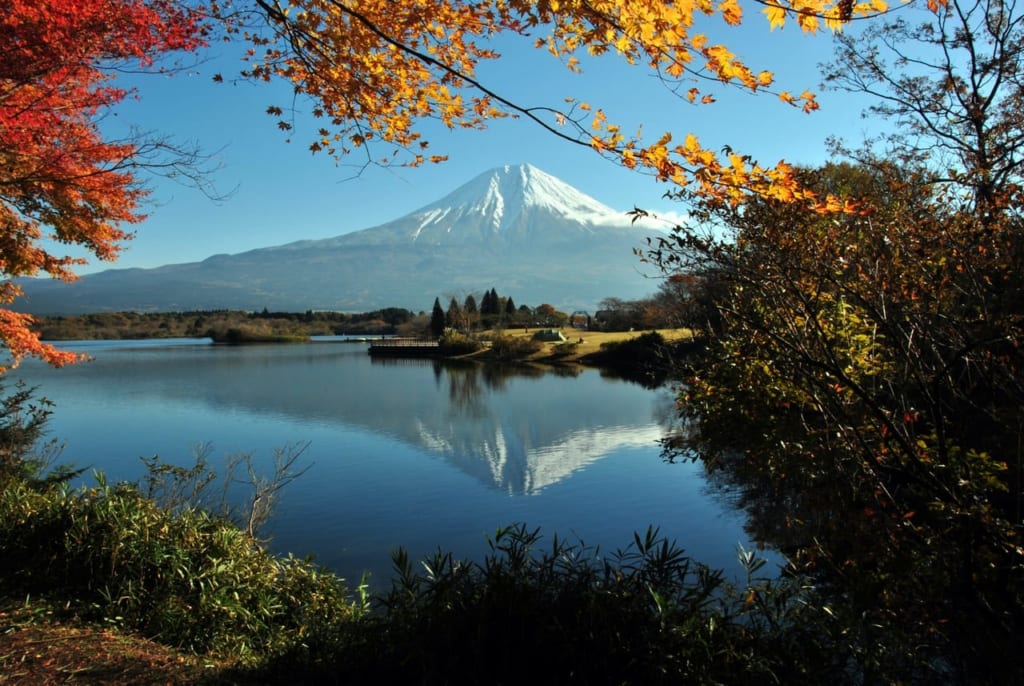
[[505, 201], [515, 228]]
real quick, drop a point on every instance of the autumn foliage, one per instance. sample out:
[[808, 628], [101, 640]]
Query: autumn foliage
[[373, 69], [371, 72], [60, 181], [863, 394], [863, 386]]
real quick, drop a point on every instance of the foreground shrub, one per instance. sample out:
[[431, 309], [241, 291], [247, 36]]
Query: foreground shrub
[[564, 614], [187, 579], [647, 614]]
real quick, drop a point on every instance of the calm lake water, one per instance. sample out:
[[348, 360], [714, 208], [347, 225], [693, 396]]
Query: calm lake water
[[410, 453]]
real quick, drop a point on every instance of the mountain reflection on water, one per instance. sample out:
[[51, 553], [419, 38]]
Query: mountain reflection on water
[[418, 453], [501, 424], [520, 453]]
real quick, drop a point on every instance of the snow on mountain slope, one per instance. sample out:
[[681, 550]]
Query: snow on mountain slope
[[501, 194], [510, 203], [515, 228]]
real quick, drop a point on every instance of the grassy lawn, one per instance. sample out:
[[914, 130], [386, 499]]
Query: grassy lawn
[[591, 341]]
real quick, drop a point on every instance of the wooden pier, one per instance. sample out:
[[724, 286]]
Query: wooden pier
[[405, 347]]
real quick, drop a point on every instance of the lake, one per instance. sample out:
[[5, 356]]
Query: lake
[[414, 453]]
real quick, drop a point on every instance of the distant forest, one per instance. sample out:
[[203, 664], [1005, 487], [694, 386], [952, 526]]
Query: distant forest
[[672, 306], [138, 325]]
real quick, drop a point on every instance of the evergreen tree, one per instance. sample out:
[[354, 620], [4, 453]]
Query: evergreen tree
[[470, 311], [453, 317], [510, 307], [437, 319], [495, 303]]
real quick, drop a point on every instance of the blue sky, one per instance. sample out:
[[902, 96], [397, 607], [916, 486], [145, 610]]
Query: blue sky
[[279, 192]]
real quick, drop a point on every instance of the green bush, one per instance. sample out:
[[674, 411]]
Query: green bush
[[187, 578], [646, 358], [508, 348], [454, 343], [565, 614], [563, 349], [644, 344]]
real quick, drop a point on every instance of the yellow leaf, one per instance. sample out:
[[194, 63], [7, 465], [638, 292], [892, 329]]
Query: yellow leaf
[[776, 15], [732, 13]]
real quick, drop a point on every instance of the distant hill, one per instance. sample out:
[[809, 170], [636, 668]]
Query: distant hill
[[513, 228]]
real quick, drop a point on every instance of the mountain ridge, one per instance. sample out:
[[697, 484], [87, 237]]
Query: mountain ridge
[[514, 228]]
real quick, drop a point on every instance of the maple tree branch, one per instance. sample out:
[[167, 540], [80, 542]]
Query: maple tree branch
[[532, 113], [808, 12], [528, 112]]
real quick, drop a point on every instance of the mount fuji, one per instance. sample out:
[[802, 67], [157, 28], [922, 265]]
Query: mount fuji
[[513, 228]]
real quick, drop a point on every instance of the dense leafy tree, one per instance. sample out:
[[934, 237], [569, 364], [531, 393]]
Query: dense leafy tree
[[546, 315], [881, 396], [616, 314], [437, 319], [871, 361], [60, 179], [673, 305], [453, 316]]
